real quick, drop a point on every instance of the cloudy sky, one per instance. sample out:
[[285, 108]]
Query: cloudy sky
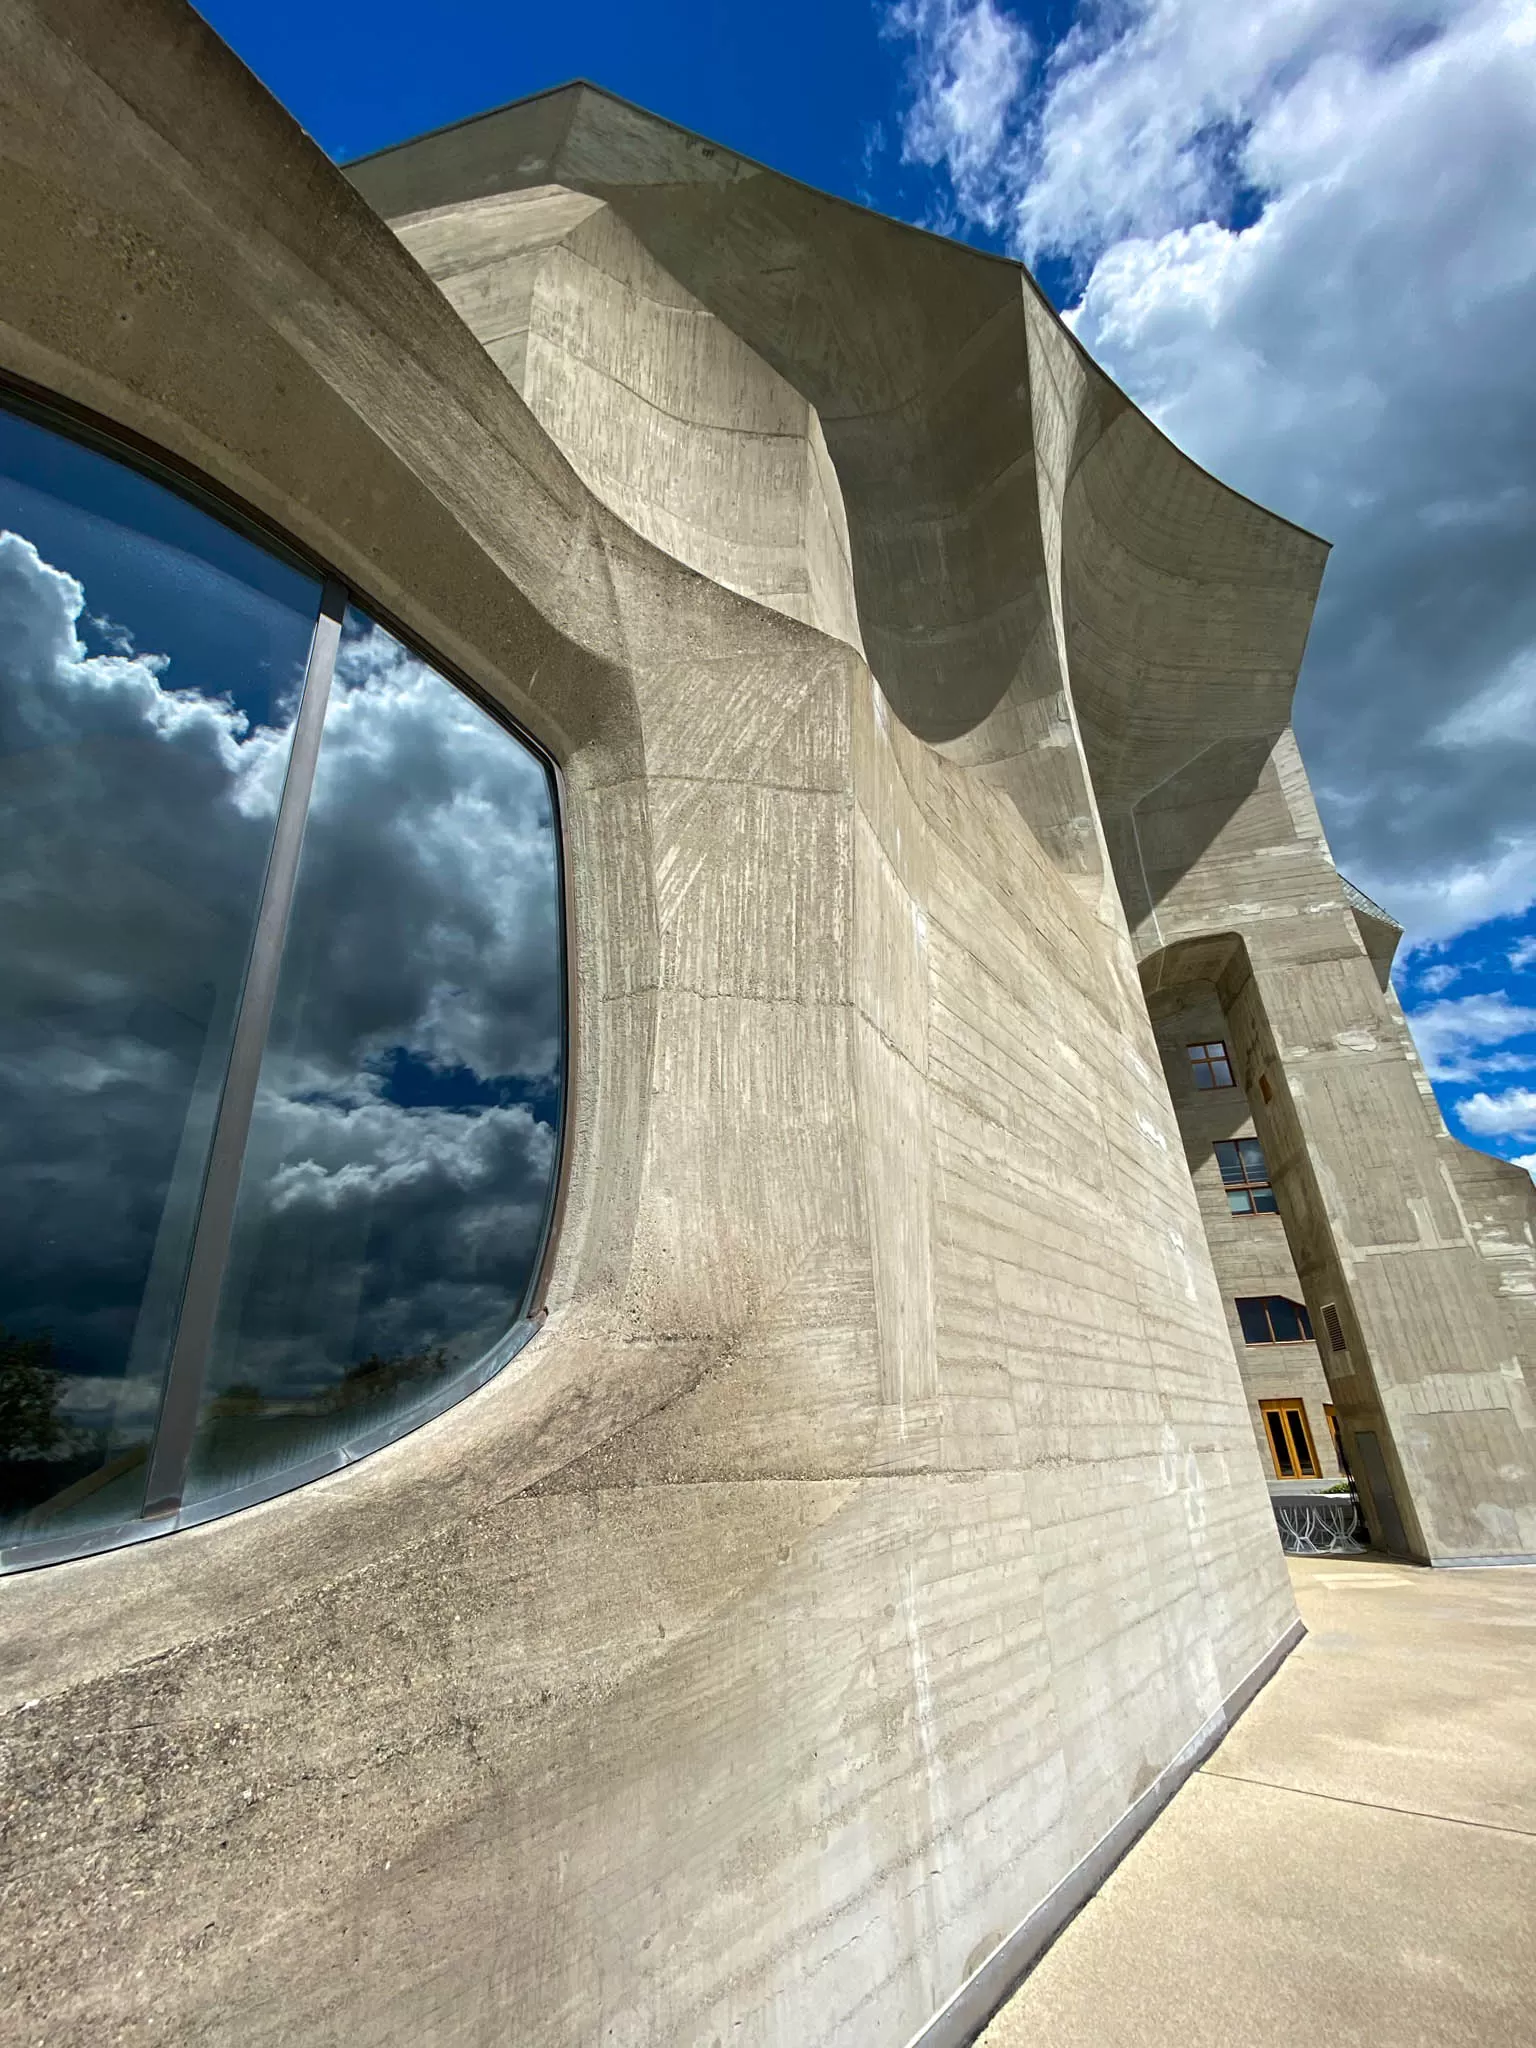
[[1301, 233], [403, 1145]]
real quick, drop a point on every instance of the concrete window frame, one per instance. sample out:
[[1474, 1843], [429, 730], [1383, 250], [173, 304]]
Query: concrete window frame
[[164, 1508]]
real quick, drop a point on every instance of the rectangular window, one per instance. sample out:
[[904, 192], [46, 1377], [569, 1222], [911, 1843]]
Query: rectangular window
[[1290, 1440], [1210, 1065], [1245, 1177], [1273, 1319]]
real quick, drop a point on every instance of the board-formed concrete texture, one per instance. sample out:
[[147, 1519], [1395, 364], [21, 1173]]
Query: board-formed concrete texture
[[875, 1533]]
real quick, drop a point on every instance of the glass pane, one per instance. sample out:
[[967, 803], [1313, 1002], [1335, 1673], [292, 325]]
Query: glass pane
[[1304, 1463], [150, 665], [1282, 1449], [403, 1147], [1229, 1162], [1286, 1321], [1250, 1313], [1264, 1201], [1239, 1201], [1251, 1153], [1202, 1074], [1305, 1321], [1221, 1074]]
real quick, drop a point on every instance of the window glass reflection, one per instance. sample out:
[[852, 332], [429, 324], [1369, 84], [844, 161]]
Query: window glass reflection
[[150, 665], [403, 1146]]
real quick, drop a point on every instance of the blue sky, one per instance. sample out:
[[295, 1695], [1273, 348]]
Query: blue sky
[[1301, 234]]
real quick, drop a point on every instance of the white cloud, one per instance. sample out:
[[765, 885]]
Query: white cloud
[[1451, 1034], [1528, 1161], [1307, 233], [967, 94], [1523, 954], [1510, 1115], [1436, 980]]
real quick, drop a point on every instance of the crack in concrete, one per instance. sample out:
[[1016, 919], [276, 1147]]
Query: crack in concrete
[[1375, 1806]]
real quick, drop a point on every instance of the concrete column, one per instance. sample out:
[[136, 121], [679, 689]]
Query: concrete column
[[1422, 1353]]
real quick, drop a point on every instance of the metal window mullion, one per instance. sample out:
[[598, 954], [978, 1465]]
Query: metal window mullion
[[182, 1399]]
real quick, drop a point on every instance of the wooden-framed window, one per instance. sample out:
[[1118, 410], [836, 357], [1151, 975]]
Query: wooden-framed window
[[1245, 1177], [1210, 1065], [1331, 1417], [1273, 1319], [1290, 1439]]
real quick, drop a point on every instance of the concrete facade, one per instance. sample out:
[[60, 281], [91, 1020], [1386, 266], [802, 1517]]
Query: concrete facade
[[875, 1533], [1250, 1252]]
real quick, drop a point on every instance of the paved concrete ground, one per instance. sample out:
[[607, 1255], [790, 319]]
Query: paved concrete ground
[[1355, 1864]]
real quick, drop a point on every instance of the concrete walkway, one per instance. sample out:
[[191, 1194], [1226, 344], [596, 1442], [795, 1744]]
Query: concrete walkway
[[1356, 1864]]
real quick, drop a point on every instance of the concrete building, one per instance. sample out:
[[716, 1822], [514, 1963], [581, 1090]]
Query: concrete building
[[639, 917]]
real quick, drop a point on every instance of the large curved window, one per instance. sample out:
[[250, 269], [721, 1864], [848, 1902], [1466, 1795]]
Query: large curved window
[[281, 1021]]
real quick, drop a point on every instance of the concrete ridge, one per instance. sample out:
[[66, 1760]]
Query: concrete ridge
[[969, 249]]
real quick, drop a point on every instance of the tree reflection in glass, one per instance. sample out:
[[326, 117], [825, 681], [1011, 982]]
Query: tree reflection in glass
[[403, 1148], [150, 666]]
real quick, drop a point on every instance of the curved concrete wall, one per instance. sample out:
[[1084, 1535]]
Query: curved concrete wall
[[1044, 582], [875, 1530]]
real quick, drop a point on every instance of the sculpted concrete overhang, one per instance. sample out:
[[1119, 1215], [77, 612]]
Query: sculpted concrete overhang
[[1028, 551]]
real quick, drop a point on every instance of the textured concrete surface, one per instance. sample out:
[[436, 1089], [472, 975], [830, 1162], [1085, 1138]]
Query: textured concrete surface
[[1356, 1863], [1102, 633], [1427, 1250], [1251, 1254], [877, 1515]]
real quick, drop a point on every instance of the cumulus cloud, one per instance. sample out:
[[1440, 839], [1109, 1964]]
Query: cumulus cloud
[[1453, 1036], [1523, 954], [1436, 980], [1305, 233], [1511, 1114]]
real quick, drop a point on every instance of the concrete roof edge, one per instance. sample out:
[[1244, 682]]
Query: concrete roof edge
[[1367, 905], [966, 250]]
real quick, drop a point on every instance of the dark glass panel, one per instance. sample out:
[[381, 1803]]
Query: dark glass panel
[[1264, 1201], [1251, 1153], [1250, 1313], [1221, 1074], [1227, 1158], [1305, 1321], [1202, 1075], [1282, 1449], [1285, 1319], [1304, 1464], [403, 1147], [150, 666]]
